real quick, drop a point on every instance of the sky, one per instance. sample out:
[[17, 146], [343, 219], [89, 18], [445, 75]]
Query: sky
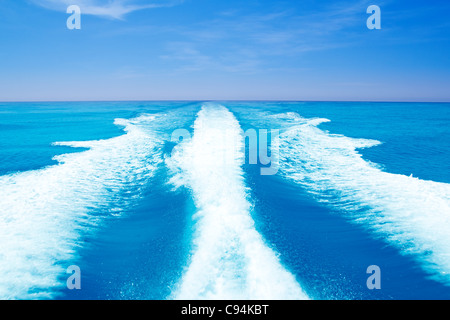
[[225, 50]]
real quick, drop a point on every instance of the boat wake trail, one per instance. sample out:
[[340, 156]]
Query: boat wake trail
[[411, 214], [45, 212], [230, 259]]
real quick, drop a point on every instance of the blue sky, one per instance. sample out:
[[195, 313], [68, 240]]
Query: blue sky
[[224, 50]]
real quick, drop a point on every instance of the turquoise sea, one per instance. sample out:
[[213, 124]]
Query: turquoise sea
[[109, 187]]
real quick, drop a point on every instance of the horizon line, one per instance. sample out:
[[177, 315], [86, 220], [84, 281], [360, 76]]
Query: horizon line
[[223, 100]]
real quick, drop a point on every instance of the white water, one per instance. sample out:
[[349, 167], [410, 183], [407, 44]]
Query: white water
[[44, 212], [230, 259], [412, 214]]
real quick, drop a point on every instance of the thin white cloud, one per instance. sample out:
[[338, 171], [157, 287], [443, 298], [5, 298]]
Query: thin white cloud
[[115, 9], [262, 40]]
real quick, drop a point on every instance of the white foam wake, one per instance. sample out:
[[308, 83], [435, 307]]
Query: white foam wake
[[412, 214], [44, 212], [230, 259]]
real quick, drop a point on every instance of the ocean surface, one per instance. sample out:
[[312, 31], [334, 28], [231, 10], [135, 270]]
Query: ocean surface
[[168, 200]]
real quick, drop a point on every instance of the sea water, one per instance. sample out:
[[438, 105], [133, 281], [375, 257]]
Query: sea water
[[102, 185]]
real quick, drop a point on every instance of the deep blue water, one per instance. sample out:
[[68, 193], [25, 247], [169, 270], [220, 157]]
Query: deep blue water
[[143, 217]]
